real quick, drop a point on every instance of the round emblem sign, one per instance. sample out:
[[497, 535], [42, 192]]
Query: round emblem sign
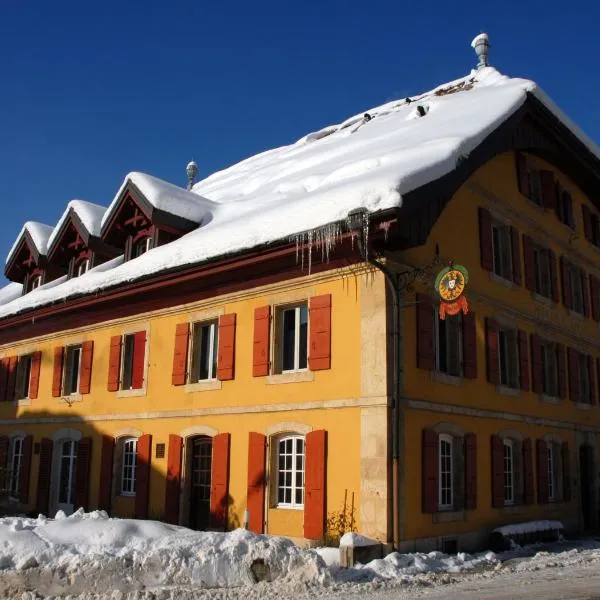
[[450, 285]]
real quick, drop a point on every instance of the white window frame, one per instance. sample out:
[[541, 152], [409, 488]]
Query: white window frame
[[294, 471], [83, 267], [296, 307], [445, 441], [459, 349], [551, 471], [549, 369], [505, 253], [213, 350], [66, 370], [127, 480], [143, 244], [16, 462], [508, 473], [503, 333], [27, 381], [36, 282]]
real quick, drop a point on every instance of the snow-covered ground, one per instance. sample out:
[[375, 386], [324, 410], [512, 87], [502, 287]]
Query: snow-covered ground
[[92, 556]]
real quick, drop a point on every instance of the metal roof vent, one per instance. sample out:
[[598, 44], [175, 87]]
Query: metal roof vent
[[192, 172], [481, 45]]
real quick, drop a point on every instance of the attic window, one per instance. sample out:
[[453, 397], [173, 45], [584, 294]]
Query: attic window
[[35, 283], [142, 246], [83, 267]]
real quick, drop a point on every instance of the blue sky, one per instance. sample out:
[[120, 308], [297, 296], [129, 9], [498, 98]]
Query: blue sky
[[90, 92]]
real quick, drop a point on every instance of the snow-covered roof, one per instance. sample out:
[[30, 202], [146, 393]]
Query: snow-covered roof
[[89, 214], [360, 163], [39, 232]]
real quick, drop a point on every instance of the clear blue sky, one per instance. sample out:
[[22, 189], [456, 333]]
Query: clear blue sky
[[89, 92]]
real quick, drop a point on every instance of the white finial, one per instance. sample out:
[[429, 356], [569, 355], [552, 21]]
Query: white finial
[[481, 45], [192, 171]]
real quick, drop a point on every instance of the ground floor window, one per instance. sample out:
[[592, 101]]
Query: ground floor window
[[509, 479], [445, 498], [129, 467], [16, 460], [290, 471]]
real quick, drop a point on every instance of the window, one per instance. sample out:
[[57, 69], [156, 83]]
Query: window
[[129, 467], [551, 482], [508, 353], [534, 186], [205, 342], [565, 208], [83, 267], [509, 481], [292, 325], [576, 279], [501, 240], [67, 469], [543, 271], [549, 369], [35, 283], [127, 366], [23, 376], [71, 370], [445, 498], [448, 344], [595, 227], [290, 472], [142, 246], [583, 374], [16, 460]]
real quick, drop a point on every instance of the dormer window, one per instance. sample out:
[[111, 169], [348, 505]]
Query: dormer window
[[83, 267], [35, 283], [142, 246]]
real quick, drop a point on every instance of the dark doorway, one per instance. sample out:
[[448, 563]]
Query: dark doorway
[[587, 481], [201, 464]]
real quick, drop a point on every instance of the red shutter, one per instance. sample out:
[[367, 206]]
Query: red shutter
[[59, 353], [523, 360], [595, 295], [548, 189], [4, 447], [592, 379], [470, 346], [516, 256], [262, 330], [429, 471], [106, 473], [114, 363], [586, 292], [598, 376], [522, 180], [173, 485], [566, 471], [537, 374], [315, 485], [226, 360], [180, 355], [527, 471], [319, 357], [219, 482], [542, 472], [497, 446], [82, 474], [425, 333], [87, 356], [529, 263], [554, 277], [470, 471], [142, 476], [491, 342], [34, 376], [588, 230], [256, 482], [486, 245], [3, 377], [12, 378], [139, 359], [562, 370], [25, 474], [572, 358], [43, 486], [566, 282]]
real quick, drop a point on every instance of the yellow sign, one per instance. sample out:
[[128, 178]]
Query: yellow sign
[[450, 285]]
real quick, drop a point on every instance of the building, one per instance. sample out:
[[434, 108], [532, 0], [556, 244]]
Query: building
[[265, 347]]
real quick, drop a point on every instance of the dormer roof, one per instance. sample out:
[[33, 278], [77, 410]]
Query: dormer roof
[[31, 247], [86, 216]]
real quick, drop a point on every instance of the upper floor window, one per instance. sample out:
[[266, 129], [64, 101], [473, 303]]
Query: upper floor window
[[502, 248], [509, 479], [142, 246], [551, 473], [448, 344], [543, 271], [446, 472], [565, 208], [83, 267], [534, 186], [549, 368], [583, 375], [576, 280], [127, 362], [71, 371], [128, 470], [508, 353], [23, 377], [291, 326], [204, 351], [290, 471]]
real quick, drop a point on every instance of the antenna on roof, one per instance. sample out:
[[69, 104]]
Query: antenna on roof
[[192, 171], [481, 45]]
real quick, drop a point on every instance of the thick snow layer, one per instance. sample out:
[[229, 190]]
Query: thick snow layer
[[90, 215], [10, 292], [355, 539], [39, 232], [530, 527]]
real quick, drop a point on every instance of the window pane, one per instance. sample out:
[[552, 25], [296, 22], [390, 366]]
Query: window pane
[[288, 342], [303, 346], [204, 352], [127, 362], [290, 476]]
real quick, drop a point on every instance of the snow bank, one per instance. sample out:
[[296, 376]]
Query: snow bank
[[355, 539], [529, 527]]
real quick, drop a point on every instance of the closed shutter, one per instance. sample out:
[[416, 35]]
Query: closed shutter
[[585, 292], [173, 485], [219, 482], [319, 357], [561, 366], [537, 367], [595, 295], [566, 282], [87, 357], [469, 345], [180, 354], [142, 476], [521, 169], [497, 447], [527, 471], [34, 374], [598, 376], [12, 378], [458, 472], [548, 186], [516, 256], [588, 230], [470, 471], [592, 377], [528, 259], [486, 244], [44, 472], [542, 471], [3, 377], [572, 360], [82, 474], [315, 484], [139, 359], [256, 482], [554, 277], [523, 360], [226, 360], [114, 363], [106, 473], [429, 471], [491, 338], [59, 353], [260, 351], [566, 471], [425, 333]]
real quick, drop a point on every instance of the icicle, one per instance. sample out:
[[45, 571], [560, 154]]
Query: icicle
[[365, 225], [309, 236]]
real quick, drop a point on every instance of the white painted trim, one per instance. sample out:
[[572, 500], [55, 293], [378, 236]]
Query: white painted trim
[[196, 430], [127, 432], [288, 427]]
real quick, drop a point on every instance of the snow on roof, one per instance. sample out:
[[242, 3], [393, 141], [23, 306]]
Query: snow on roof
[[39, 232], [10, 292], [89, 214]]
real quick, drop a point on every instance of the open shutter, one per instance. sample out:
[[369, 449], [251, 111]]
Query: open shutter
[[173, 485], [106, 473], [180, 354], [566, 471], [542, 471], [219, 482], [256, 481], [59, 353], [497, 447], [486, 245], [536, 364], [87, 357], [226, 359], [469, 345], [561, 366], [554, 277], [523, 360], [315, 483], [260, 352], [522, 180], [572, 360], [470, 471], [458, 472], [592, 377], [548, 189], [142, 476], [429, 471], [527, 471], [598, 377], [425, 333], [82, 473], [43, 486], [3, 377], [491, 342], [34, 374], [319, 357], [25, 474], [139, 359], [595, 296], [516, 256], [528, 259], [12, 378], [566, 282], [585, 292], [114, 363], [588, 230]]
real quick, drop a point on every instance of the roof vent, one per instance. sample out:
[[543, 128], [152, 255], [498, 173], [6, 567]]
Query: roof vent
[[192, 172], [481, 45]]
